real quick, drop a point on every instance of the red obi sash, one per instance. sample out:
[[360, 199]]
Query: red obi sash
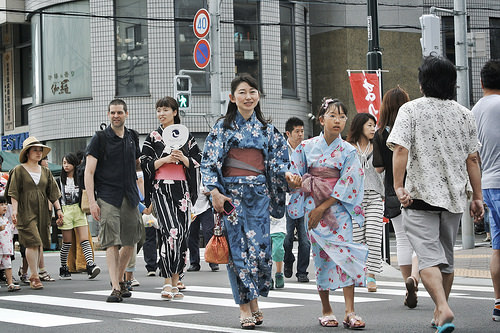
[[243, 162], [170, 171]]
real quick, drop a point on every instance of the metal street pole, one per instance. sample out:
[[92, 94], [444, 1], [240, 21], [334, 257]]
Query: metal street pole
[[215, 68], [374, 56], [374, 62], [461, 60]]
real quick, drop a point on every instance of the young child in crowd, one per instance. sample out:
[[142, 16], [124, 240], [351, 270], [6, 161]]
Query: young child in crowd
[[6, 246], [278, 234]]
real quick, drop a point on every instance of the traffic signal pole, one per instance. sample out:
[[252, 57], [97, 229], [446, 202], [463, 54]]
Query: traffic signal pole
[[215, 67]]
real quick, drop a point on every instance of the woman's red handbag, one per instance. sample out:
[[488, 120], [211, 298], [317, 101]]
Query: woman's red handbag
[[217, 249]]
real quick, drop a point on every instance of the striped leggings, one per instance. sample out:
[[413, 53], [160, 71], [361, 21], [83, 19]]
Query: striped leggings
[[371, 232]]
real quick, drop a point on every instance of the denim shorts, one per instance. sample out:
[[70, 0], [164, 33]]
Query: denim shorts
[[492, 200]]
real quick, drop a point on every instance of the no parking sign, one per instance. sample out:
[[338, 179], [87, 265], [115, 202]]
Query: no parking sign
[[201, 53]]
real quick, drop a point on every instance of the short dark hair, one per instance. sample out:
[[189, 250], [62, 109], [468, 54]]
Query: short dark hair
[[3, 199], [437, 77], [118, 101], [170, 102], [357, 125], [293, 122], [490, 74]]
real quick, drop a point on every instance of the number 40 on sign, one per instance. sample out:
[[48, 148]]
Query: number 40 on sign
[[201, 23]]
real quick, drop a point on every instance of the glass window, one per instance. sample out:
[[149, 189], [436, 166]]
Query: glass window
[[65, 48], [287, 32], [246, 38], [132, 57], [26, 72], [185, 41], [495, 38]]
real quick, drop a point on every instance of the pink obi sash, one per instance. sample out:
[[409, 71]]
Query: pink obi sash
[[170, 171], [319, 183], [243, 162]]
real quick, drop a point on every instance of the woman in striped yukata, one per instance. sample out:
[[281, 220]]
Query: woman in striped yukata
[[171, 183], [360, 136]]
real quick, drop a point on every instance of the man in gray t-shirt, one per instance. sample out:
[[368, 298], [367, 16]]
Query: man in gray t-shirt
[[487, 114]]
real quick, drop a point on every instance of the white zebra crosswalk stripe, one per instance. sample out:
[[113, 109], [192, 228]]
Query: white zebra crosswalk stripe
[[401, 291], [128, 308], [311, 296], [40, 319], [189, 326], [225, 302]]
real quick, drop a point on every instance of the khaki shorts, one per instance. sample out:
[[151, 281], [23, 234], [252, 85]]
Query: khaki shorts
[[73, 217], [120, 226], [432, 234]]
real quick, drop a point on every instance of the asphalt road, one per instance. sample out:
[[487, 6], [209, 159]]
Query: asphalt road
[[79, 305]]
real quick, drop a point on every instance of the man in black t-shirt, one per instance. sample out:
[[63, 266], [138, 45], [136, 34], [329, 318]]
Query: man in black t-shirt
[[110, 181]]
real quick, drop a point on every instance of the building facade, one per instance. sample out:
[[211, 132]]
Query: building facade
[[86, 53], [339, 41], [64, 61]]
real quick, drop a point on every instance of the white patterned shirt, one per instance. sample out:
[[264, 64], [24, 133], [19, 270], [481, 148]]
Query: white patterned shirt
[[439, 135]]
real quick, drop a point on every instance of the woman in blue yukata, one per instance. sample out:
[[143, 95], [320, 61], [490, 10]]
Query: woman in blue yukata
[[244, 162], [329, 196]]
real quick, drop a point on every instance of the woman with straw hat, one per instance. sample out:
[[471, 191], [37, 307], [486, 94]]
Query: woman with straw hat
[[30, 186]]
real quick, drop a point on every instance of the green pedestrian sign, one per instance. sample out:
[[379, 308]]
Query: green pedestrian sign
[[183, 101], [182, 91]]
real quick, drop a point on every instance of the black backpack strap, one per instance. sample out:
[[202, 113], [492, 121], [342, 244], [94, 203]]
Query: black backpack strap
[[101, 136]]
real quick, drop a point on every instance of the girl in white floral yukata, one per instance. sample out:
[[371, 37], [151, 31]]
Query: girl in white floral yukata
[[329, 196]]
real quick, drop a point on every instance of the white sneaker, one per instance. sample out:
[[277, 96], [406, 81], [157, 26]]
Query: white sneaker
[[134, 283]]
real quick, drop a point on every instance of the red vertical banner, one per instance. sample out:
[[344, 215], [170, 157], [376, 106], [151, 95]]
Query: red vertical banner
[[366, 92]]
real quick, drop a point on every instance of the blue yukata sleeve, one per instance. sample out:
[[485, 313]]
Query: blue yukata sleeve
[[298, 165], [350, 187], [212, 159], [277, 165]]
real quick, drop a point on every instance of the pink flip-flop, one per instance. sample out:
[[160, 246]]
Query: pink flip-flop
[[328, 321]]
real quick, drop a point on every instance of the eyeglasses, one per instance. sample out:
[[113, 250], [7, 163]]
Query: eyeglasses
[[337, 117]]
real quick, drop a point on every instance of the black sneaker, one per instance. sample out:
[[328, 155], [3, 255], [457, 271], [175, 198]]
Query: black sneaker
[[115, 297], [214, 267], [194, 268], [64, 273], [124, 290], [93, 270], [288, 271], [302, 278]]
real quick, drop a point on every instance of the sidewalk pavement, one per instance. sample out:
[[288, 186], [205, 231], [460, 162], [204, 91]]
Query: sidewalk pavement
[[469, 263]]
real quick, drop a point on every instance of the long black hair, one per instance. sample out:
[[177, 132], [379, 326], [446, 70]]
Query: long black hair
[[74, 161], [232, 109]]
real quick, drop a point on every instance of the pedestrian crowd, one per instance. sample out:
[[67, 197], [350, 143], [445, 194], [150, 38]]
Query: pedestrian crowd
[[425, 164]]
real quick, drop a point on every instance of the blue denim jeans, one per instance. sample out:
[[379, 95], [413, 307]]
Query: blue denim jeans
[[304, 244]]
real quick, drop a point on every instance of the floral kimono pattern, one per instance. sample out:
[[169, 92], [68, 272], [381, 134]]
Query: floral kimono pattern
[[338, 261], [254, 198], [171, 200]]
